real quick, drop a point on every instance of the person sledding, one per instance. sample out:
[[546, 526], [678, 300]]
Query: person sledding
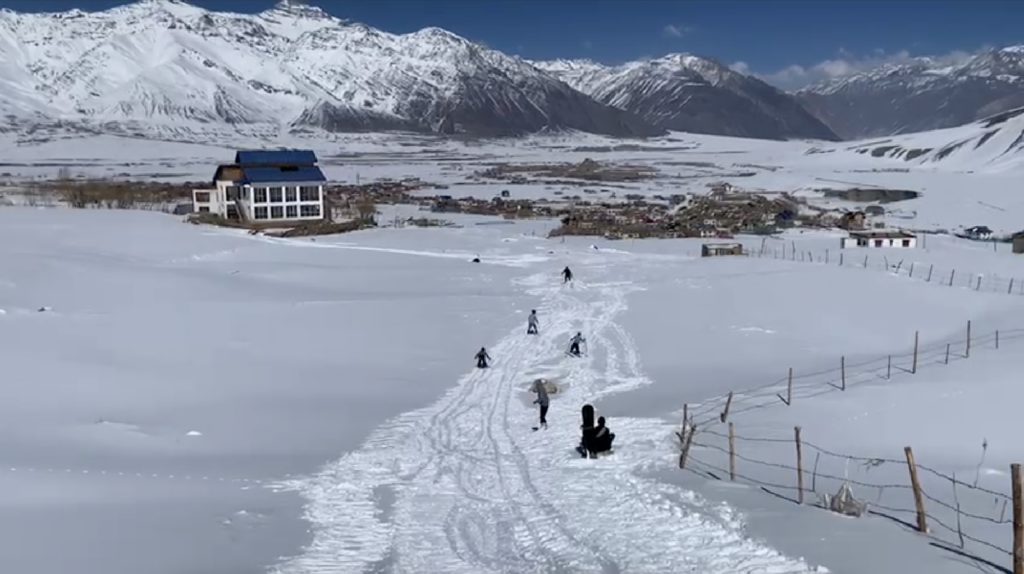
[[574, 344], [566, 275], [481, 358], [531, 323], [602, 440]]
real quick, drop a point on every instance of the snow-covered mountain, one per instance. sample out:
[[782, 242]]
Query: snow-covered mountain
[[995, 143], [920, 94], [167, 67], [689, 93]]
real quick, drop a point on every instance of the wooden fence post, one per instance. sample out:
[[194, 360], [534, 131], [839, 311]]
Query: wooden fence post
[[930, 269], [911, 274], [888, 368], [967, 351], [865, 262], [799, 468], [977, 286], [788, 399], [1010, 290], [826, 257], [686, 446], [997, 338], [947, 353], [728, 403], [1018, 520], [951, 275], [922, 523], [842, 371], [732, 453], [840, 258], [913, 368]]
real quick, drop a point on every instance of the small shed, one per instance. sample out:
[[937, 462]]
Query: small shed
[[1018, 243], [719, 249]]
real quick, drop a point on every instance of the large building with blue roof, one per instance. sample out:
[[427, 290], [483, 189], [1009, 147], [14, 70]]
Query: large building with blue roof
[[264, 186]]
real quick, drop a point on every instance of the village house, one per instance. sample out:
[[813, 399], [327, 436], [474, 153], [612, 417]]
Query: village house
[[265, 186], [979, 232], [880, 238]]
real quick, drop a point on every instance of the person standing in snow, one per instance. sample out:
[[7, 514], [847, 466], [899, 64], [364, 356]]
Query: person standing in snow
[[574, 344], [542, 400], [566, 275], [531, 323], [481, 358]]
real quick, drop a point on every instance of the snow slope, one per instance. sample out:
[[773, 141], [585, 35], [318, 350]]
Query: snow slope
[[240, 361]]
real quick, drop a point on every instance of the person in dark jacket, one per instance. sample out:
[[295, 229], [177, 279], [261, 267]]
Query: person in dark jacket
[[481, 358], [574, 344], [566, 275], [542, 400], [602, 437]]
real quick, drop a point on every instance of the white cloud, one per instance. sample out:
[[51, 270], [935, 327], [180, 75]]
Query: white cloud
[[674, 31], [844, 64]]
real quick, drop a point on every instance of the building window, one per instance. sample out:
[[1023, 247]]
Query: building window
[[204, 209], [277, 212], [309, 210], [878, 243], [259, 195], [233, 192], [906, 243], [289, 194], [291, 212], [309, 193], [202, 197], [259, 213], [275, 195]]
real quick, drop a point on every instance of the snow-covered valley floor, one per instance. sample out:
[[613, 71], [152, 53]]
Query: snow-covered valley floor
[[200, 400]]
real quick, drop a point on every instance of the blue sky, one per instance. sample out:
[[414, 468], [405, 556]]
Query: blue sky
[[787, 41]]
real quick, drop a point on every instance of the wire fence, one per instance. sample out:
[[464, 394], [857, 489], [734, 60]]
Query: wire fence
[[967, 517], [901, 265], [799, 386], [959, 513]]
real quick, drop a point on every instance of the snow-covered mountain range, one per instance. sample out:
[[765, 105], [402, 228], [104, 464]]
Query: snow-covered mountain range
[[168, 67], [683, 92], [920, 94]]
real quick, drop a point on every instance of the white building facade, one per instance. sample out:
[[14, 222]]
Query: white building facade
[[266, 186], [880, 238]]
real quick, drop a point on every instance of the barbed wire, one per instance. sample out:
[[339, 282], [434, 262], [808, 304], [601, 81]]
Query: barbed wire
[[696, 464], [928, 272], [851, 374]]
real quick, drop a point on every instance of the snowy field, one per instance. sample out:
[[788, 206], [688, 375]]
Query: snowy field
[[187, 399], [964, 176]]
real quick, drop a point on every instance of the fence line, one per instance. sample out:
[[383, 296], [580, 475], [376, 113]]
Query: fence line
[[802, 386], [951, 522], [899, 266]]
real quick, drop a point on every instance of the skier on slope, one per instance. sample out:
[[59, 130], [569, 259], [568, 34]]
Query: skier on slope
[[566, 275], [542, 400], [574, 344], [531, 323], [481, 358]]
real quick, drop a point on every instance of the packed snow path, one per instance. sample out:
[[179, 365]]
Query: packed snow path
[[466, 486]]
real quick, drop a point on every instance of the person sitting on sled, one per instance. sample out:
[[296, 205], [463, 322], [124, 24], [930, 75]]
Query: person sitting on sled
[[602, 437], [481, 358], [531, 323], [574, 344]]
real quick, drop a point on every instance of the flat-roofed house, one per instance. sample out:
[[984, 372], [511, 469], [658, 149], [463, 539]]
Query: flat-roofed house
[[266, 186]]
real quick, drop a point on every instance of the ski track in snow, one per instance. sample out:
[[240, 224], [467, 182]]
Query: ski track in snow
[[474, 490]]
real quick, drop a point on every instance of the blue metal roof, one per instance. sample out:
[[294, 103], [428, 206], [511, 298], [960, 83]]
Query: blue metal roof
[[275, 157], [282, 175]]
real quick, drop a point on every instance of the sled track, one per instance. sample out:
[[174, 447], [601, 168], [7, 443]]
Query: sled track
[[474, 490]]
